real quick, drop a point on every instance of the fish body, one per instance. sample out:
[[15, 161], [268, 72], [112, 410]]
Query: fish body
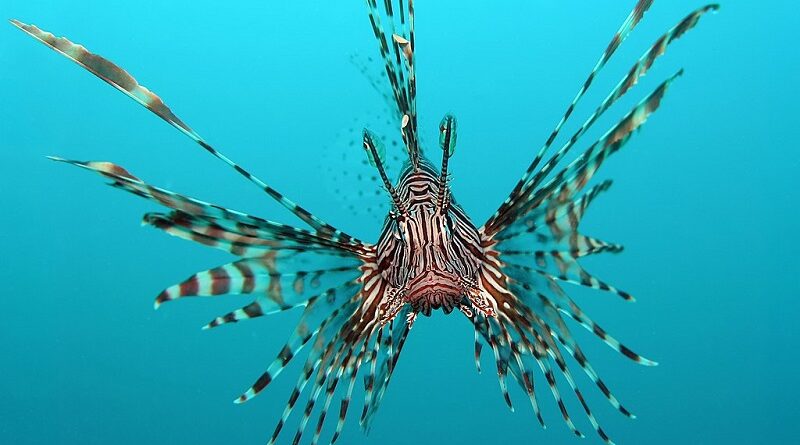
[[359, 300]]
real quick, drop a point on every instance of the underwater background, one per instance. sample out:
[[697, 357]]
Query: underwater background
[[705, 200]]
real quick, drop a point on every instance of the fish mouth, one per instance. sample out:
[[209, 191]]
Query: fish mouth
[[435, 289]]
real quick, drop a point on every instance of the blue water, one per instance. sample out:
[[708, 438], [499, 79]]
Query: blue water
[[705, 200]]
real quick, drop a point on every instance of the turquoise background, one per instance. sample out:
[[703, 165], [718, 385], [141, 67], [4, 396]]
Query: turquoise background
[[705, 201]]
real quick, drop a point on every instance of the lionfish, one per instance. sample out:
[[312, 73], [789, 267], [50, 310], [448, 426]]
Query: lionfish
[[360, 300]]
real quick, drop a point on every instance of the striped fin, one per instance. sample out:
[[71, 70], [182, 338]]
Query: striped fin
[[550, 378], [396, 47], [571, 382], [502, 352], [352, 371], [577, 253], [311, 365], [275, 292], [370, 377], [328, 338], [108, 72], [560, 215], [543, 363], [627, 26], [550, 315], [375, 380], [525, 379], [543, 305], [316, 317], [518, 242], [330, 372], [393, 346], [125, 180], [328, 365], [535, 337], [190, 210], [567, 269], [575, 175], [518, 369], [244, 246], [124, 82], [345, 365], [239, 240], [478, 347], [537, 283], [637, 71], [536, 341], [257, 276]]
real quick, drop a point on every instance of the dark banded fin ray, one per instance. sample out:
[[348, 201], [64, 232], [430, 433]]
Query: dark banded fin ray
[[125, 83], [577, 253], [370, 377], [193, 214], [271, 301], [326, 339], [524, 378], [536, 337], [554, 229], [570, 180], [194, 229], [259, 276], [478, 348], [394, 340], [568, 270], [562, 333], [318, 314], [352, 373], [637, 71], [627, 26], [539, 343], [331, 360], [396, 47], [537, 283], [501, 352], [541, 306], [351, 356]]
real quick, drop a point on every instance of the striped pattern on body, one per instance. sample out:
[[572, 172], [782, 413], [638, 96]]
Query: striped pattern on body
[[448, 241]]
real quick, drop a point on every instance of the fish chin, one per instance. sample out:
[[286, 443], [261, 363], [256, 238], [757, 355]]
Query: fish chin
[[435, 289]]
